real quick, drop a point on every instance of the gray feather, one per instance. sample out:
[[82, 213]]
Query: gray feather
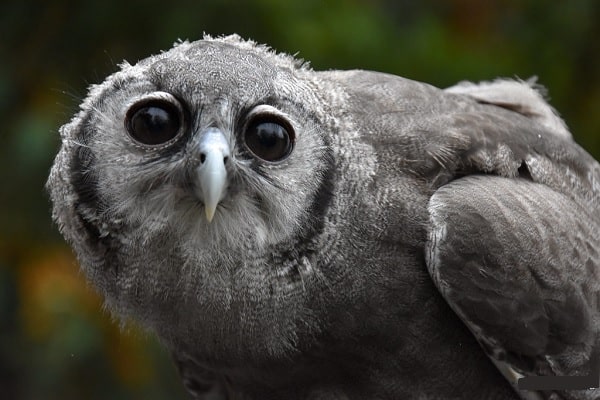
[[517, 261], [312, 279]]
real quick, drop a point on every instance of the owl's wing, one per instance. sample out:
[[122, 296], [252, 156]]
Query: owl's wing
[[519, 263], [514, 215], [518, 259]]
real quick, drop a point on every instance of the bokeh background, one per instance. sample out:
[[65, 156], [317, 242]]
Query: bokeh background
[[56, 342]]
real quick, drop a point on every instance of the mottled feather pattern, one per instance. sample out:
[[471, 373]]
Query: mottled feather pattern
[[414, 243], [541, 271]]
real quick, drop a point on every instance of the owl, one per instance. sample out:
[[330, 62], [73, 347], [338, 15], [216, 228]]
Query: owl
[[295, 234]]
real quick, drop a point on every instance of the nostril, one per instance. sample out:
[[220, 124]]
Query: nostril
[[203, 158]]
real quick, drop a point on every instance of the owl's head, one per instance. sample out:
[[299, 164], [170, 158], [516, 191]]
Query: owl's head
[[219, 140], [193, 166]]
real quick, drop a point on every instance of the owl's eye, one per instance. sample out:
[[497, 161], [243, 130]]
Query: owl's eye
[[153, 121], [269, 138]]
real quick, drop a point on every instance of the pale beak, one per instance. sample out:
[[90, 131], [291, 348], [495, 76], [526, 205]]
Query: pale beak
[[211, 173]]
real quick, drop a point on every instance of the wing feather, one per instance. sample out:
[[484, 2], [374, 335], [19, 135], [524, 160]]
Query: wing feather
[[514, 212], [519, 263]]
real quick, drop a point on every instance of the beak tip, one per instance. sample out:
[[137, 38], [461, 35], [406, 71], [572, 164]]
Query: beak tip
[[210, 213]]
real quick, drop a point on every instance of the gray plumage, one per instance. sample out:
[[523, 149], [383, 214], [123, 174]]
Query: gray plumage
[[294, 234]]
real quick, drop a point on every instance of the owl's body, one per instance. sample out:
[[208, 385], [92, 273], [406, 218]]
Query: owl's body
[[292, 234]]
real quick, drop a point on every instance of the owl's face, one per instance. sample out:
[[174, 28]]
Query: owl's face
[[188, 177], [210, 142]]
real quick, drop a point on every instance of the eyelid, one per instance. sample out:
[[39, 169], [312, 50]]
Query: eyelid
[[265, 109], [157, 95]]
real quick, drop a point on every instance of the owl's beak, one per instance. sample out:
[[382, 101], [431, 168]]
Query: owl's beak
[[211, 173]]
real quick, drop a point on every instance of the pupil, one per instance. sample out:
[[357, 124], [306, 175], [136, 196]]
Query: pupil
[[270, 134], [155, 119]]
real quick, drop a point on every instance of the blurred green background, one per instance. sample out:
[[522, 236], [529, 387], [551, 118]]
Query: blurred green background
[[56, 342]]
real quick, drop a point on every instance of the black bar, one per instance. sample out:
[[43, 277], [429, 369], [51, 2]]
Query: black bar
[[591, 381]]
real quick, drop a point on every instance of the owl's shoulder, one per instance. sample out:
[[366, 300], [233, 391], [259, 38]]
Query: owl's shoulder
[[503, 127]]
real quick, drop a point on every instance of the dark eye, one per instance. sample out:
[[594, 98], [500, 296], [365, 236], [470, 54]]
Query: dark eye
[[153, 122], [269, 139]]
